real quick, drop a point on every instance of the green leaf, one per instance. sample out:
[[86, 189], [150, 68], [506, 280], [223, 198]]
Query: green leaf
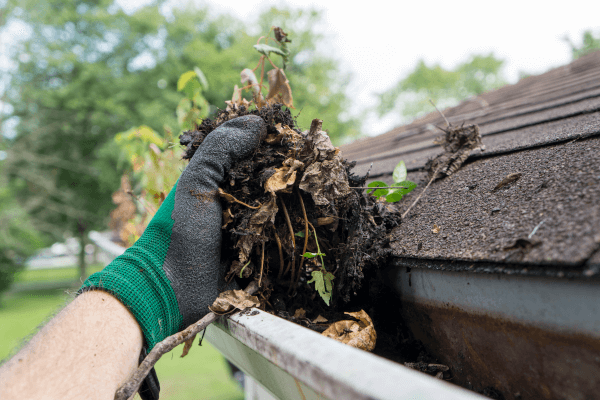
[[312, 255], [323, 284], [201, 78], [266, 49], [393, 197], [184, 79], [379, 192], [400, 172], [407, 187], [299, 234]]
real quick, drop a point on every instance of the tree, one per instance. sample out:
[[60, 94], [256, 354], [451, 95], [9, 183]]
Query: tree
[[410, 97], [589, 45], [89, 71], [18, 237]]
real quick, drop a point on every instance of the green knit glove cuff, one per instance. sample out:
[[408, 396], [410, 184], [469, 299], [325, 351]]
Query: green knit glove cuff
[[138, 280]]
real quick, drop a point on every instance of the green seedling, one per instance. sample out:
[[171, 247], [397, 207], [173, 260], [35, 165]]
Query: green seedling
[[322, 278], [396, 190]]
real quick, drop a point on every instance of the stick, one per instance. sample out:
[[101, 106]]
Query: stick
[[289, 224], [262, 263], [130, 387], [306, 234], [281, 263], [421, 194]]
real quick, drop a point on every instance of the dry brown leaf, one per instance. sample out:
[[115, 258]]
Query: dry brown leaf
[[266, 213], [281, 181], [325, 220], [284, 178], [274, 139], [436, 229], [359, 334], [326, 181], [187, 346], [279, 88], [319, 320], [300, 313], [292, 135], [227, 218], [233, 299]]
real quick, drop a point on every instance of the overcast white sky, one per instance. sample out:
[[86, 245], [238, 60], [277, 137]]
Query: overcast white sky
[[379, 42]]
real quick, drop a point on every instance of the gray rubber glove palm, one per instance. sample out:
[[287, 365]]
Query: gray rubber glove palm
[[170, 276]]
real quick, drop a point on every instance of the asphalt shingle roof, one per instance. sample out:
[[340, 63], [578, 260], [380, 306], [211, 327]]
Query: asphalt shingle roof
[[547, 128]]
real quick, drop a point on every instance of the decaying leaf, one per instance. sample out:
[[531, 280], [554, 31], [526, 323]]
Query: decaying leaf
[[227, 218], [233, 299], [284, 178], [187, 346], [510, 178], [436, 229], [359, 334], [279, 88], [300, 313], [458, 142], [326, 181], [325, 178], [266, 213], [319, 320]]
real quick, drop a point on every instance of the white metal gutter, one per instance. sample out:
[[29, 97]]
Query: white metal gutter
[[292, 362]]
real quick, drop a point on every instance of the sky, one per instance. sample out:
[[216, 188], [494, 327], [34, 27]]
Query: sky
[[380, 42]]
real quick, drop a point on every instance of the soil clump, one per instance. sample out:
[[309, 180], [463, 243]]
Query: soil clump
[[297, 225]]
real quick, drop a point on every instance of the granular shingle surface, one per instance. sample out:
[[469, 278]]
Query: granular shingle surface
[[546, 128]]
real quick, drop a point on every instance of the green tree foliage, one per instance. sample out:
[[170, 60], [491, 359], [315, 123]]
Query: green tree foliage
[[410, 97], [589, 44], [89, 71], [18, 237]]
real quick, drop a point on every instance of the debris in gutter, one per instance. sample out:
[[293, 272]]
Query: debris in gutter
[[359, 334]]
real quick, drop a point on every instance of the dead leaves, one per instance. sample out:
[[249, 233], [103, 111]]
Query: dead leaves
[[325, 178], [458, 142], [360, 334], [279, 88], [233, 299], [284, 178]]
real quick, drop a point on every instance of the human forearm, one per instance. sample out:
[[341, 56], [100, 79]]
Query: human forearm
[[86, 351]]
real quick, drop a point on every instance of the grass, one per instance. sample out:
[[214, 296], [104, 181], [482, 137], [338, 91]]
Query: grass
[[53, 274], [203, 374]]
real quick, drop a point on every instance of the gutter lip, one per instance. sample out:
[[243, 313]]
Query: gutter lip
[[330, 367]]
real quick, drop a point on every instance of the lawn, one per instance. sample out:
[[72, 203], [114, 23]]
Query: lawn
[[203, 374]]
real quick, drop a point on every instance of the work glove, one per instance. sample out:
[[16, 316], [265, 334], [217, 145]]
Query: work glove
[[170, 276]]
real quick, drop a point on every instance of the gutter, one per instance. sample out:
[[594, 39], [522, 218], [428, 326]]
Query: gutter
[[294, 363], [291, 362]]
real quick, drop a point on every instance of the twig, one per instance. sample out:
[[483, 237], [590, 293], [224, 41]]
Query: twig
[[280, 253], [306, 234], [378, 187], [421, 194], [130, 387], [228, 197], [289, 224], [443, 116], [262, 262]]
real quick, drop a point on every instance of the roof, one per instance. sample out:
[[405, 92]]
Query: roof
[[547, 128]]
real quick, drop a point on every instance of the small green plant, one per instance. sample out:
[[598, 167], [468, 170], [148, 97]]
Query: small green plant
[[322, 278], [396, 190]]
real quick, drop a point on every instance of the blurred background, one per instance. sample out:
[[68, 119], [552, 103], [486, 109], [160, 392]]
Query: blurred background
[[94, 94]]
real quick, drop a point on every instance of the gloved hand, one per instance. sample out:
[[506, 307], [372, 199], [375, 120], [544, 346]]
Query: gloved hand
[[170, 276]]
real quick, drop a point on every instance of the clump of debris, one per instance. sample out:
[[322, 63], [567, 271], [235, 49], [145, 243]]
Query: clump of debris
[[291, 212]]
